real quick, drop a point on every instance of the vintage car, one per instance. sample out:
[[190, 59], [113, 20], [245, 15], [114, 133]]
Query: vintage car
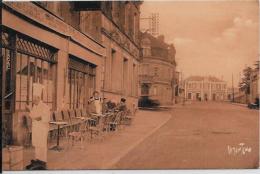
[[145, 101]]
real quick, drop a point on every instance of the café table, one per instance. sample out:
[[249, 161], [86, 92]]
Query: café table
[[58, 123]]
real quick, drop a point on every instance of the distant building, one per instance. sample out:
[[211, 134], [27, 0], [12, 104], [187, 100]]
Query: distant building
[[157, 74], [205, 88]]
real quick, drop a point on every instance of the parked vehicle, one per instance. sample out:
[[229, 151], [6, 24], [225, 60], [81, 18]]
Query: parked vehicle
[[145, 101], [254, 105]]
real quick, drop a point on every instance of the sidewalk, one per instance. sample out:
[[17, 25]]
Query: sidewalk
[[105, 153], [239, 104]]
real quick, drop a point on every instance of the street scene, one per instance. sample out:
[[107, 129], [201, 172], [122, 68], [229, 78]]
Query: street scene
[[130, 85]]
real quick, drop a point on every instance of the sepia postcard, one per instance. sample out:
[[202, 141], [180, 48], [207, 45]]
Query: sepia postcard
[[130, 85]]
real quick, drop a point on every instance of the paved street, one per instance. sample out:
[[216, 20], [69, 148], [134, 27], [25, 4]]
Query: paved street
[[200, 135], [197, 135]]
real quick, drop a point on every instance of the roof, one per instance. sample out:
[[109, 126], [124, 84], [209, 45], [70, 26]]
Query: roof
[[201, 78], [155, 42]]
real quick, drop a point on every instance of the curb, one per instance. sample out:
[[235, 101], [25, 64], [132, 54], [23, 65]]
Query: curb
[[239, 104], [115, 160]]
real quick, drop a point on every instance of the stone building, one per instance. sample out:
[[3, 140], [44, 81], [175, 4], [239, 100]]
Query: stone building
[[157, 73], [72, 48], [118, 23], [205, 88]]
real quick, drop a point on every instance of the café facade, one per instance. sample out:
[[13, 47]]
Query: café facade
[[38, 46]]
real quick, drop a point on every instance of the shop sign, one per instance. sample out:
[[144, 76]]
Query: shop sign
[[43, 17]]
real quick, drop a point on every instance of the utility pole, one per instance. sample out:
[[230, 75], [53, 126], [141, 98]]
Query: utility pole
[[233, 99], [153, 21]]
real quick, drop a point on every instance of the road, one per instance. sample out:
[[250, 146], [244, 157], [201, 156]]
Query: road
[[200, 135]]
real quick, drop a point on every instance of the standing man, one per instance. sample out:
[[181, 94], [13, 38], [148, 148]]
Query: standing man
[[40, 115], [96, 103]]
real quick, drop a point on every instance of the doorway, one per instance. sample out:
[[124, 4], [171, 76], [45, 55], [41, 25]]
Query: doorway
[[7, 91]]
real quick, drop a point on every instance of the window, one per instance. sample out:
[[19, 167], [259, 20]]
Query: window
[[189, 95], [155, 90], [113, 68], [135, 29], [169, 72], [144, 69], [127, 18], [146, 51], [125, 75], [145, 89], [198, 96], [115, 11], [32, 70], [135, 82], [81, 79], [155, 71]]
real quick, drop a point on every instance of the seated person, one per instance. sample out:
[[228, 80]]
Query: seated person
[[122, 105], [111, 105]]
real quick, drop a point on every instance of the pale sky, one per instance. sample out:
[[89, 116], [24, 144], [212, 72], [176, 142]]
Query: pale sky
[[211, 37]]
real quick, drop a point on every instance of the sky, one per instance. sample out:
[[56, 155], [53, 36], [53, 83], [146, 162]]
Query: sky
[[214, 38]]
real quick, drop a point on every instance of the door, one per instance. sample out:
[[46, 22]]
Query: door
[[206, 97], [7, 88], [214, 97], [197, 96]]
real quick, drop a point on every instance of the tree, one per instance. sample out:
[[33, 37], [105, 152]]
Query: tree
[[245, 83], [257, 65]]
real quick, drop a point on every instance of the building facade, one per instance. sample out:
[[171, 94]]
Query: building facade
[[118, 23], [157, 73], [72, 50], [205, 88]]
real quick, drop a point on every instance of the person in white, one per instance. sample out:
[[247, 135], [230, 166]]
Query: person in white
[[96, 102], [40, 115]]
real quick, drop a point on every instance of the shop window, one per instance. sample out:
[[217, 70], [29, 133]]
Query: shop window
[[25, 61], [81, 80], [34, 62]]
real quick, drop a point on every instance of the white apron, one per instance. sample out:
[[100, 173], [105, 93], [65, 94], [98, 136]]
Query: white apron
[[40, 130], [97, 104]]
